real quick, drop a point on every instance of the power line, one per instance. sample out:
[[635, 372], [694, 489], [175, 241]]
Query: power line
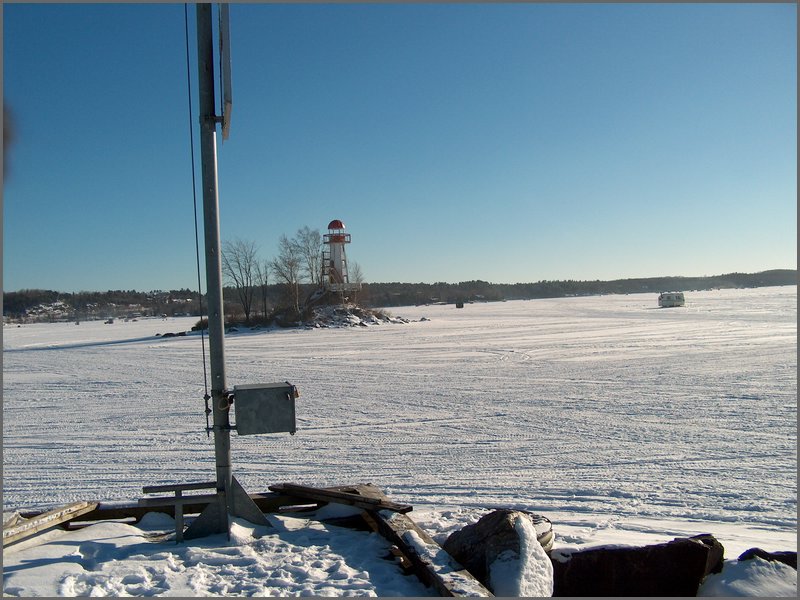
[[206, 396]]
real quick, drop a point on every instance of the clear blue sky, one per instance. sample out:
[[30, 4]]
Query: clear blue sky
[[504, 142]]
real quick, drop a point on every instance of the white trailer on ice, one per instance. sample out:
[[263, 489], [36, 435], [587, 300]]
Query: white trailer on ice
[[670, 299]]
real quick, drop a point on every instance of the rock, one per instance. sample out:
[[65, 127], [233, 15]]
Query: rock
[[787, 558], [525, 572], [716, 552], [676, 568], [496, 539]]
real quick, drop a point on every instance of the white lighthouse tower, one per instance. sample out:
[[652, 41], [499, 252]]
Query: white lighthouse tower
[[334, 259]]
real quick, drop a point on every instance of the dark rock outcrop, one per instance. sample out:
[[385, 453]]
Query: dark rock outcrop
[[716, 552], [676, 568]]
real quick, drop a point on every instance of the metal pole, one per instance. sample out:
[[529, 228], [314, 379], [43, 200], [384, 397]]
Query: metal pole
[[216, 326]]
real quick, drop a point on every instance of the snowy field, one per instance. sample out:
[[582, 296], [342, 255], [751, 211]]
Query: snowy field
[[621, 422]]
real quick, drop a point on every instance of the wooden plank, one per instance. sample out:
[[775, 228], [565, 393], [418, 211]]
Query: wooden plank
[[173, 500], [430, 562], [268, 502], [179, 487], [13, 520], [366, 490], [340, 497], [47, 520]]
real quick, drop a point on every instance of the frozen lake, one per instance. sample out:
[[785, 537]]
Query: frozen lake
[[573, 406]]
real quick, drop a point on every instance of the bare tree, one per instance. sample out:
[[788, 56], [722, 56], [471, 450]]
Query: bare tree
[[309, 247], [356, 276], [239, 263], [287, 267], [262, 281]]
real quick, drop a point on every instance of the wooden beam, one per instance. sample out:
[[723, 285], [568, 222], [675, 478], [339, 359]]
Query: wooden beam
[[199, 499], [430, 562], [179, 487], [47, 520], [268, 502], [340, 497]]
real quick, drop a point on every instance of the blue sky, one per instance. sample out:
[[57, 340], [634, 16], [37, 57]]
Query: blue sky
[[504, 142]]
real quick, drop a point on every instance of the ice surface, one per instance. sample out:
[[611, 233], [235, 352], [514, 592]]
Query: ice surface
[[619, 421]]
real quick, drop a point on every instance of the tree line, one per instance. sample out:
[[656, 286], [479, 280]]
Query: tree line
[[249, 294], [268, 299], [111, 303], [405, 294]]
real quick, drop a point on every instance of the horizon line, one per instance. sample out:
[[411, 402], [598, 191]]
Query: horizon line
[[428, 283]]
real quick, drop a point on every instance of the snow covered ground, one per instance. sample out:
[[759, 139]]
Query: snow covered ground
[[621, 422]]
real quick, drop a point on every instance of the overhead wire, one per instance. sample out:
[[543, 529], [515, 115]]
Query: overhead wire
[[206, 396]]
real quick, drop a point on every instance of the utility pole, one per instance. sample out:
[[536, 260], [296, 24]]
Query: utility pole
[[216, 324], [232, 500]]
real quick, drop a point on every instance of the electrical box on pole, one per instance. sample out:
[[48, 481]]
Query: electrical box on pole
[[265, 408]]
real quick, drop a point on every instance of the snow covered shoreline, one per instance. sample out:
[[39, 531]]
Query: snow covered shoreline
[[620, 422]]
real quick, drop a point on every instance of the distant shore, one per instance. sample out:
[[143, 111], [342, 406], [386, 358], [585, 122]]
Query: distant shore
[[46, 305]]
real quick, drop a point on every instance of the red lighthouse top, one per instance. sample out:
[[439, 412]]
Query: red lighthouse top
[[337, 234], [336, 224]]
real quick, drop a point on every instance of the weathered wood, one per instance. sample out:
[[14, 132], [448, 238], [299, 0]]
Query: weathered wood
[[366, 490], [178, 487], [430, 562], [341, 497], [13, 519], [47, 520], [199, 499], [274, 502], [268, 502]]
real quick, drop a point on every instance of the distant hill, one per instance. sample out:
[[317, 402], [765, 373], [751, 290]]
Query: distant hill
[[48, 305]]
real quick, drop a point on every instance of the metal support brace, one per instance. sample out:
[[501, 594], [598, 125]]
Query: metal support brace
[[179, 500]]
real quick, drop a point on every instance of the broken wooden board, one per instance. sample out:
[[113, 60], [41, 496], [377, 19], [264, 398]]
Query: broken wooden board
[[18, 531], [430, 562], [125, 511], [268, 502], [341, 497]]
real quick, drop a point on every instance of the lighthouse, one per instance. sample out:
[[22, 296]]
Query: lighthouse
[[334, 259]]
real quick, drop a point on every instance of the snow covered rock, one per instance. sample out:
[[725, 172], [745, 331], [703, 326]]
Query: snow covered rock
[[787, 558], [349, 315], [506, 551], [752, 577], [526, 572]]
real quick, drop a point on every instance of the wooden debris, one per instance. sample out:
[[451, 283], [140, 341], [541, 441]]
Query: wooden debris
[[18, 531], [268, 502], [179, 500], [430, 562], [341, 497], [414, 548], [12, 519], [119, 511]]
